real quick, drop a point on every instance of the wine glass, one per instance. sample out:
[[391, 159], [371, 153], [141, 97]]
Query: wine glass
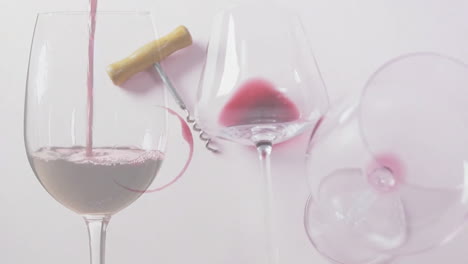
[[260, 85], [95, 153], [387, 170]]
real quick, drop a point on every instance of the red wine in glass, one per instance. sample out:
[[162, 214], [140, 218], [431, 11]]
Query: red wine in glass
[[258, 111], [260, 86], [258, 102], [64, 151]]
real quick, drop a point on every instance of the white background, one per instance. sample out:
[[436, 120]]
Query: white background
[[199, 220]]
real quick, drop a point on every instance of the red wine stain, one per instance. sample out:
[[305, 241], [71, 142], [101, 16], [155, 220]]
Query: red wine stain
[[258, 102]]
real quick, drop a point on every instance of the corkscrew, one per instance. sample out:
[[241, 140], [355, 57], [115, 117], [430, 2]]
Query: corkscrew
[[167, 82], [150, 55]]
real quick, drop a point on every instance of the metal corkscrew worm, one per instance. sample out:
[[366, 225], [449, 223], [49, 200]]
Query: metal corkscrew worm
[[167, 82]]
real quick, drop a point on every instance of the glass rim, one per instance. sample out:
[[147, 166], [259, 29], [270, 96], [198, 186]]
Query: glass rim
[[61, 13]]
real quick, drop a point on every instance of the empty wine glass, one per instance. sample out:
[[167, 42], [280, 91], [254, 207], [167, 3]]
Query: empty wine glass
[[100, 173], [260, 84], [387, 170]]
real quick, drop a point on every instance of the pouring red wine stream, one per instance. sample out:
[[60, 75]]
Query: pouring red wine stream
[[90, 80]]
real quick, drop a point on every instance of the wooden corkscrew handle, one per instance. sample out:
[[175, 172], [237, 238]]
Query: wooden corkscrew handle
[[149, 54]]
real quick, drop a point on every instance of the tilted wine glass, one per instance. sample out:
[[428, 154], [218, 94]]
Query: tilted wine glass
[[128, 131], [387, 171], [260, 85]]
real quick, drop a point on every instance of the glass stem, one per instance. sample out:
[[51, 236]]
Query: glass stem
[[97, 226], [264, 149]]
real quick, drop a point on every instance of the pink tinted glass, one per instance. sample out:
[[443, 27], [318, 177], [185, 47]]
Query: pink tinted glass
[[388, 171]]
